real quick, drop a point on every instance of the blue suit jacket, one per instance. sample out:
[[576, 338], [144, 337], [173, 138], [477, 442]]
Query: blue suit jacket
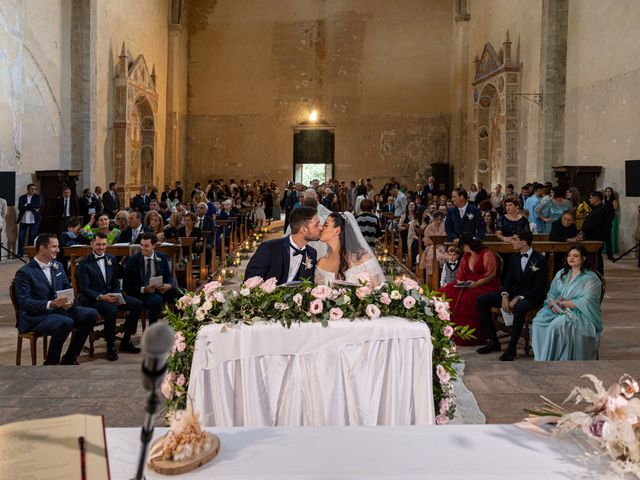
[[471, 223], [33, 291], [91, 283], [134, 273], [272, 260], [34, 206]]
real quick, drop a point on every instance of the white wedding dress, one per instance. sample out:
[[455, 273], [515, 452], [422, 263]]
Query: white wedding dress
[[370, 267]]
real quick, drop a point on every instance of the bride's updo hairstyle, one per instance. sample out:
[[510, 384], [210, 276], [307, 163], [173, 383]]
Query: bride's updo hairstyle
[[350, 251]]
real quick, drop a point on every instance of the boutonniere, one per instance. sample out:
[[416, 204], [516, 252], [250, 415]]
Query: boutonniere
[[54, 265], [308, 263], [109, 262], [470, 216], [157, 259], [535, 267]]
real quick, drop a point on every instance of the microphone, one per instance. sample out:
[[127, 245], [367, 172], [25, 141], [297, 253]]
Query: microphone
[[157, 342]]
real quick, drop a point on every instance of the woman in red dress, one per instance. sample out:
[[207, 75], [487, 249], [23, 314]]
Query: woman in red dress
[[479, 267]]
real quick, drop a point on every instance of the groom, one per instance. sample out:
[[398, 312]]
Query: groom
[[289, 258]]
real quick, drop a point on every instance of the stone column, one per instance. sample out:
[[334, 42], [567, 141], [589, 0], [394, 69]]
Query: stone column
[[553, 70]]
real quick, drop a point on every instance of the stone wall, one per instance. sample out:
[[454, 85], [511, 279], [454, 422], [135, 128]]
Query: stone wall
[[142, 26], [378, 71], [490, 20], [603, 99]]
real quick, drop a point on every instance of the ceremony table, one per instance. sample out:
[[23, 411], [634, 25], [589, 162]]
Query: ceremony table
[[476, 452], [362, 372]]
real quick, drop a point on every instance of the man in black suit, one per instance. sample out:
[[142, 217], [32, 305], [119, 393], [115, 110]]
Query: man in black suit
[[524, 289], [133, 233], [431, 187], [111, 201], [66, 207], [289, 258], [139, 271], [88, 205], [98, 286], [482, 194], [28, 217], [463, 217], [595, 226], [140, 202], [41, 310]]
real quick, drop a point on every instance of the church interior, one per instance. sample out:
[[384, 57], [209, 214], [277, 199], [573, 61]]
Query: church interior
[[150, 92]]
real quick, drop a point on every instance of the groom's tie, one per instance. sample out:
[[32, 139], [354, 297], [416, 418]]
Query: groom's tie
[[296, 251]]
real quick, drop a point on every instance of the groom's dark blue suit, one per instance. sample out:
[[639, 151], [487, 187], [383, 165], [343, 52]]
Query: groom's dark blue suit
[[33, 292], [272, 260]]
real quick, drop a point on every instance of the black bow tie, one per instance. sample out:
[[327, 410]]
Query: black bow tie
[[296, 250], [524, 255], [98, 258]]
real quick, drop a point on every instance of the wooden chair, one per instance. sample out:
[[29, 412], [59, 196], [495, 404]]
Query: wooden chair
[[31, 336]]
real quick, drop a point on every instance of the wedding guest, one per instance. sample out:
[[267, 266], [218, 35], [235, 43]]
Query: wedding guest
[[89, 231], [133, 233], [111, 201], [512, 221], [417, 222], [400, 203], [171, 229], [259, 214], [139, 271], [611, 205], [435, 228], [489, 218], [188, 229], [510, 190], [28, 217], [564, 229], [569, 326], [482, 194], [552, 208], [140, 202], [97, 199], [463, 218], [66, 206], [431, 186], [524, 290], [121, 220], [369, 223], [164, 196], [473, 193], [87, 205], [99, 286], [531, 206], [41, 310], [497, 197], [72, 235], [478, 267], [361, 194], [579, 206], [450, 267], [154, 224], [595, 225]]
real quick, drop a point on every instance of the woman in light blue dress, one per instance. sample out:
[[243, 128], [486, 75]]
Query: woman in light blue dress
[[568, 327], [552, 208]]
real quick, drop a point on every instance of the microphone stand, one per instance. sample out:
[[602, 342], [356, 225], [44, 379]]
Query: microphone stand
[[147, 427]]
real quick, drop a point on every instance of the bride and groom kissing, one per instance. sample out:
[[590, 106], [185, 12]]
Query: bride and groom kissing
[[291, 258]]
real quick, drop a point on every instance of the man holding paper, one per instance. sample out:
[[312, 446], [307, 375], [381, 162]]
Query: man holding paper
[[524, 289], [42, 290], [99, 288], [147, 276]]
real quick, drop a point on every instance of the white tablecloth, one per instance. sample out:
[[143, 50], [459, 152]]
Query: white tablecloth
[[435, 452], [365, 372]]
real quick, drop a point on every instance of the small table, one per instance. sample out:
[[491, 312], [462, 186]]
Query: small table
[[361, 372]]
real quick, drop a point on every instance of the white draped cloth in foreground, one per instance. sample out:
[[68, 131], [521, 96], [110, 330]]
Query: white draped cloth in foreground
[[362, 372]]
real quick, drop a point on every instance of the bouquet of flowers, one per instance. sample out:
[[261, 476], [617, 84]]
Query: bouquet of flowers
[[611, 420]]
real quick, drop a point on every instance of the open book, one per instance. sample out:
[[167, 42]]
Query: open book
[[71, 447]]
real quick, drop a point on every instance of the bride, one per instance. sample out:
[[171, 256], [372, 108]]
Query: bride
[[349, 256]]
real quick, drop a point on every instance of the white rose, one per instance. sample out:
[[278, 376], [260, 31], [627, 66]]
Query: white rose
[[395, 295], [245, 292]]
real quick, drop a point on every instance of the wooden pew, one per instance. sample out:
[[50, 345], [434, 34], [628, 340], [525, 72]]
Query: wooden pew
[[541, 246]]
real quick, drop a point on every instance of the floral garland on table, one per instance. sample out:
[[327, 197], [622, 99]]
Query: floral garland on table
[[259, 300], [611, 421]]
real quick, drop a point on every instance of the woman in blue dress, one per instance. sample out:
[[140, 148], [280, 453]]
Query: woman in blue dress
[[569, 326], [552, 208]]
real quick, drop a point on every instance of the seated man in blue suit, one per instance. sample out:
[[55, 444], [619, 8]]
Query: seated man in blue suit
[[41, 311], [97, 284], [139, 271], [463, 217], [289, 258]]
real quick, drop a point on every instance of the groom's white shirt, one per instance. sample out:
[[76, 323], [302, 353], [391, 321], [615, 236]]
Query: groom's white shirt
[[294, 262]]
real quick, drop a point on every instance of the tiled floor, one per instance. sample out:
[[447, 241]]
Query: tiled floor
[[501, 389]]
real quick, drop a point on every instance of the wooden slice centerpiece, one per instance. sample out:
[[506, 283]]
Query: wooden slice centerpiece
[[169, 467]]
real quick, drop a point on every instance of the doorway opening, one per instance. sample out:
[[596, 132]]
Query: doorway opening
[[313, 151]]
